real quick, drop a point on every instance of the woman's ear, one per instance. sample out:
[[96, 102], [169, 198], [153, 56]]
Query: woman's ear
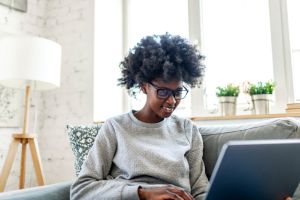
[[143, 88]]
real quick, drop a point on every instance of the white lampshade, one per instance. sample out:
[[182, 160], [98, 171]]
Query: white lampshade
[[29, 60]]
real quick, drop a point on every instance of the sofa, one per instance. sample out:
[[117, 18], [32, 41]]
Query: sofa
[[213, 137]]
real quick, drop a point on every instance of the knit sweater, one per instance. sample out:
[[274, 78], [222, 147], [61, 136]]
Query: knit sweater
[[128, 153]]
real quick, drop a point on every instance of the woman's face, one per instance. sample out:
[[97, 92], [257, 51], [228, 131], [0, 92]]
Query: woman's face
[[162, 98]]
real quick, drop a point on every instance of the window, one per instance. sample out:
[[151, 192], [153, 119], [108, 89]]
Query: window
[[243, 40], [237, 44], [107, 56]]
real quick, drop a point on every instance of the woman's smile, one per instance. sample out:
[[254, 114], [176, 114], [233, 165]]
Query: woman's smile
[[168, 109]]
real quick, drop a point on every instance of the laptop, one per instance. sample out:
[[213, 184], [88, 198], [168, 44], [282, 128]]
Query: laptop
[[256, 169]]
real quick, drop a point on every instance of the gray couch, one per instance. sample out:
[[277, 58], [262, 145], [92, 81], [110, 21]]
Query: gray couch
[[213, 136]]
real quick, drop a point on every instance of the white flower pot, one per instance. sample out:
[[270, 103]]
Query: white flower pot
[[227, 105], [261, 103]]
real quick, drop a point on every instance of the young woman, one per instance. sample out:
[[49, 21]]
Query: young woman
[[149, 154]]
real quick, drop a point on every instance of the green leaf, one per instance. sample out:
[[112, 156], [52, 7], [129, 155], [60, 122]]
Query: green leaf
[[262, 88], [228, 90]]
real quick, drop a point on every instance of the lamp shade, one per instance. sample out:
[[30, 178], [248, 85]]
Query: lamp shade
[[29, 60]]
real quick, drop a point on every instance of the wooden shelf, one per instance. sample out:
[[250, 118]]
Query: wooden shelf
[[275, 115]]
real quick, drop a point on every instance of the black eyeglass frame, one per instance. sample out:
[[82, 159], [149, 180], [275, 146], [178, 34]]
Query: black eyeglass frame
[[170, 92]]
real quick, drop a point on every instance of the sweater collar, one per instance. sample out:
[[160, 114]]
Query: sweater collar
[[144, 124]]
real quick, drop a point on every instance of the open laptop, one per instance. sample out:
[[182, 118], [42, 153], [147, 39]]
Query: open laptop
[[256, 169]]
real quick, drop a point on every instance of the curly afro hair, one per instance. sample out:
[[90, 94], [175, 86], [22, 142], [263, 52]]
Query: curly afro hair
[[161, 56]]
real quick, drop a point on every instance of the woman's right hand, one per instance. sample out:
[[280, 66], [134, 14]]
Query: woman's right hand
[[165, 192]]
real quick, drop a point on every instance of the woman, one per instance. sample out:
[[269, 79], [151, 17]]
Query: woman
[[150, 154]]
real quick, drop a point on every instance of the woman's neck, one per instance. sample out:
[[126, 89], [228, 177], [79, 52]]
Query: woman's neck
[[147, 116]]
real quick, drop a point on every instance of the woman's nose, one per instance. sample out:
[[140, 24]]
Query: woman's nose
[[171, 100]]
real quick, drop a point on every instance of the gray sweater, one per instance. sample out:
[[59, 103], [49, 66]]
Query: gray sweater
[[128, 153]]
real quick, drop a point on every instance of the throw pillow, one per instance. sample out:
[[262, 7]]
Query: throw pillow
[[81, 138]]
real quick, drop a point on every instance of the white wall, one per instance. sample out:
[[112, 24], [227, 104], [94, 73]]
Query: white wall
[[70, 23]]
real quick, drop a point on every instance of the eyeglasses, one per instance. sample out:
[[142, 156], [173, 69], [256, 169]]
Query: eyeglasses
[[164, 93]]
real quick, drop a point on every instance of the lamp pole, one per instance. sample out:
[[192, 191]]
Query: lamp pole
[[25, 124], [24, 141]]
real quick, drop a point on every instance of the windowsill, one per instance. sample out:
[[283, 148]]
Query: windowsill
[[275, 115], [237, 117]]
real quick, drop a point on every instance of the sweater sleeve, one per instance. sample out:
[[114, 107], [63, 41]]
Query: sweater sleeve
[[93, 181], [198, 179]]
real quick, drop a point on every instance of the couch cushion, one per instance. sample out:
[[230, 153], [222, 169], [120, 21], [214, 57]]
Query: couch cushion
[[214, 137], [81, 139]]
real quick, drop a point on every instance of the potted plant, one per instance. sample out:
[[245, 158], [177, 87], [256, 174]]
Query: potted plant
[[261, 94], [227, 99]]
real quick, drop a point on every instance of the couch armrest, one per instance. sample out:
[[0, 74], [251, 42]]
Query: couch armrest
[[58, 191]]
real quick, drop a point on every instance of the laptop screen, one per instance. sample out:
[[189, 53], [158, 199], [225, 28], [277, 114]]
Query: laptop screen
[[256, 169]]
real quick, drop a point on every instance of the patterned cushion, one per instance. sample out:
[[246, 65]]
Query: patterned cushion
[[81, 139]]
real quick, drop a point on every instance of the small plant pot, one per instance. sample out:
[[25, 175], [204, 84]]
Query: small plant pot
[[261, 103], [227, 105]]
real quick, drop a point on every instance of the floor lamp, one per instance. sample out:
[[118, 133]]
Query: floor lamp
[[29, 63]]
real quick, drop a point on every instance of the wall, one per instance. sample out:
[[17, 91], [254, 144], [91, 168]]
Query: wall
[[70, 24]]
